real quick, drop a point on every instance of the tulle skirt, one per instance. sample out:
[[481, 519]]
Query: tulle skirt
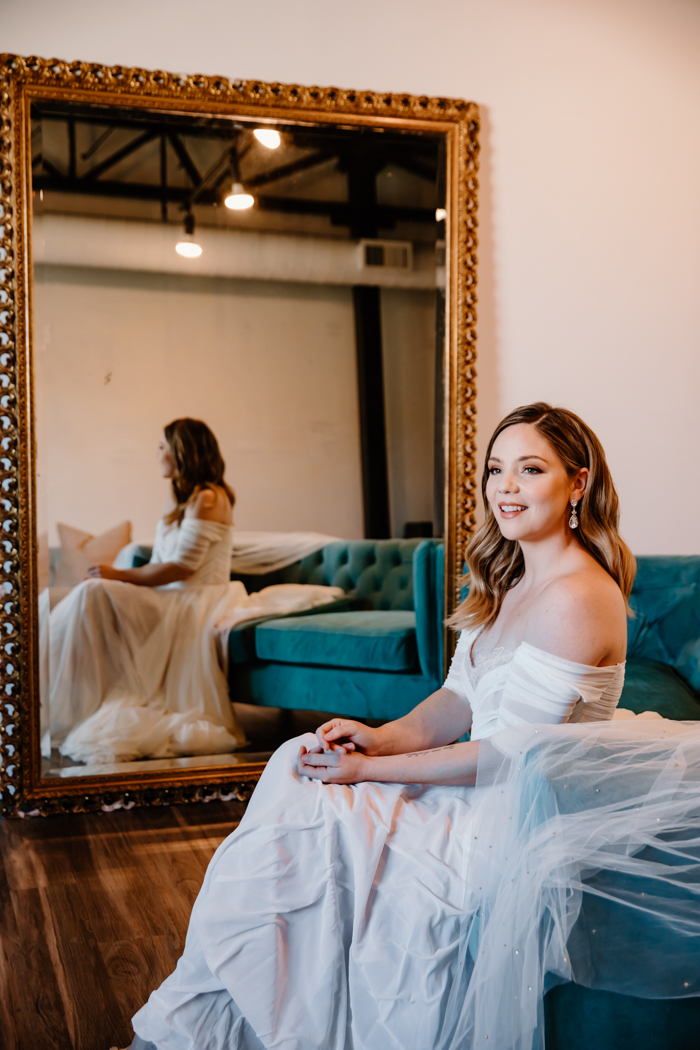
[[381, 916], [132, 672], [586, 841]]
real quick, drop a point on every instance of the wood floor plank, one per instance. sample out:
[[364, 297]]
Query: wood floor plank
[[135, 968], [122, 891], [30, 994], [10, 1006], [85, 975], [176, 869], [93, 915], [32, 961]]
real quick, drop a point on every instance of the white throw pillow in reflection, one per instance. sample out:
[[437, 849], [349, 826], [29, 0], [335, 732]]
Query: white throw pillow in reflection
[[80, 550]]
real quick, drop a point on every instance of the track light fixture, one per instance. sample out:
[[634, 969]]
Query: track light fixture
[[268, 136], [238, 199], [188, 246]]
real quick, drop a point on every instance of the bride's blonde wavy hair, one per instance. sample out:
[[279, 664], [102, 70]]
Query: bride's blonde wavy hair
[[496, 564]]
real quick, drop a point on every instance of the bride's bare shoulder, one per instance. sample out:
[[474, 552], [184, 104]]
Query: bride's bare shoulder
[[211, 504], [581, 616]]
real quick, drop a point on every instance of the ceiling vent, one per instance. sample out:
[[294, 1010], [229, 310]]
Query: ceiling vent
[[386, 255]]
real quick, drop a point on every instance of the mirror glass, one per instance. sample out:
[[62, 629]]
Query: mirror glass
[[282, 283]]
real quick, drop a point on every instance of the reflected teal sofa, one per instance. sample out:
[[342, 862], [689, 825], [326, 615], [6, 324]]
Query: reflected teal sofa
[[374, 654], [663, 674]]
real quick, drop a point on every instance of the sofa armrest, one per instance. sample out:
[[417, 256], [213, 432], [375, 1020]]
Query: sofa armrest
[[241, 641], [428, 596]]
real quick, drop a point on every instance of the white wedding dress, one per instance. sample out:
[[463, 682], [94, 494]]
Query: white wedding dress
[[356, 917], [133, 672]]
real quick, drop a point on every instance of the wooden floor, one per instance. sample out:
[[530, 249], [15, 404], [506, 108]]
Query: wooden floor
[[93, 915]]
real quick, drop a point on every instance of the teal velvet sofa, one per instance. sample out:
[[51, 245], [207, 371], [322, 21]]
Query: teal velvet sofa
[[663, 674], [374, 654], [663, 643]]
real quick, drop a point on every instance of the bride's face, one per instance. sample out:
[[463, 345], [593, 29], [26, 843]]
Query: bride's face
[[528, 487], [166, 461]]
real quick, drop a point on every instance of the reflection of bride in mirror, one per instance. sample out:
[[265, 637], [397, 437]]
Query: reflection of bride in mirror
[[132, 655]]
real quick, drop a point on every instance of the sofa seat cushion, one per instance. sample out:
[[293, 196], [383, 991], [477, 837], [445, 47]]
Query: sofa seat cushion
[[377, 641], [654, 686]]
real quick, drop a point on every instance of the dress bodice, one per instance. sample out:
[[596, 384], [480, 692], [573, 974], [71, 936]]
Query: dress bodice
[[510, 686], [203, 547]]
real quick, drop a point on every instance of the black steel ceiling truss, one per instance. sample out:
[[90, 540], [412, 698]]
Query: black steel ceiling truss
[[183, 155], [356, 155], [285, 171], [121, 154], [339, 212]]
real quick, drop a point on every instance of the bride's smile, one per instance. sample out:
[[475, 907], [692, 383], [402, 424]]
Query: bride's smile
[[509, 510]]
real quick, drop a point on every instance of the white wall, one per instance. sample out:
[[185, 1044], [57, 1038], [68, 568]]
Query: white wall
[[269, 366], [590, 235], [125, 244]]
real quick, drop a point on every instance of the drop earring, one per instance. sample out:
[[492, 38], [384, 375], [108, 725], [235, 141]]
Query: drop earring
[[573, 520]]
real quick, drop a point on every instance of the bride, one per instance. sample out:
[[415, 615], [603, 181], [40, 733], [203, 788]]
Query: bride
[[131, 654], [394, 888]]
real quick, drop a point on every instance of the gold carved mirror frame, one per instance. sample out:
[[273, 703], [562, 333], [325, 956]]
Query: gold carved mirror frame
[[23, 791]]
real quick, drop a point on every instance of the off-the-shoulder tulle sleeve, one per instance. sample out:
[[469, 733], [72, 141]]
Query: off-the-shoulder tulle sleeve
[[194, 539], [542, 688], [456, 678]]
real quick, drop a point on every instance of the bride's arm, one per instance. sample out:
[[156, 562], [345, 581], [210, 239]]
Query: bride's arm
[[205, 508], [156, 575], [453, 764], [438, 720]]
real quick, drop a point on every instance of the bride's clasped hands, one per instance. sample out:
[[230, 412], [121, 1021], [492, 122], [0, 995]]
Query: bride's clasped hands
[[334, 767], [343, 754], [416, 749]]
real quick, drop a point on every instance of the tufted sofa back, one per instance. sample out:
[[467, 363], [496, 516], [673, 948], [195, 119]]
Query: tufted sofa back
[[380, 572], [666, 602]]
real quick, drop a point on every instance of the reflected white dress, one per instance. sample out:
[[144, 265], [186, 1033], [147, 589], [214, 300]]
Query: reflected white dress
[[340, 917], [134, 671]]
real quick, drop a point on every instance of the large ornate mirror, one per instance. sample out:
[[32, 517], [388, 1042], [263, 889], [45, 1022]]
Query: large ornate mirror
[[197, 273]]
